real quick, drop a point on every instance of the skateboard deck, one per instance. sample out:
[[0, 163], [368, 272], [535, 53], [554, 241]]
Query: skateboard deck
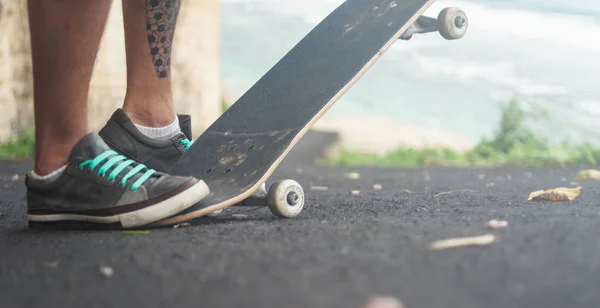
[[243, 147]]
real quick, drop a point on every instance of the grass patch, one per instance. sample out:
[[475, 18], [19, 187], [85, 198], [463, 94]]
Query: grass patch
[[22, 147], [513, 144]]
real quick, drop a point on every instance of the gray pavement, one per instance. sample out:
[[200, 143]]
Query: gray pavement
[[340, 251]]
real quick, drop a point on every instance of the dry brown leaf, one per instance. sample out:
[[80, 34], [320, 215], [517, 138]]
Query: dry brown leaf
[[589, 174], [555, 194], [464, 241]]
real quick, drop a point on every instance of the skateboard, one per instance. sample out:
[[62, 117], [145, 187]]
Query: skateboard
[[243, 147]]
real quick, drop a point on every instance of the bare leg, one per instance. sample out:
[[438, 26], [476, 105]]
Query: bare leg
[[65, 37], [149, 30]]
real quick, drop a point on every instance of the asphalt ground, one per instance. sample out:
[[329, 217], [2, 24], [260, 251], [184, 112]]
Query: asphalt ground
[[343, 248]]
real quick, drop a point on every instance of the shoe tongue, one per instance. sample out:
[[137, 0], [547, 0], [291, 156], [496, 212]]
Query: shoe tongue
[[89, 147]]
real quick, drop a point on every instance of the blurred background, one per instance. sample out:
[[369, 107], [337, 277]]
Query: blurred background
[[521, 86]]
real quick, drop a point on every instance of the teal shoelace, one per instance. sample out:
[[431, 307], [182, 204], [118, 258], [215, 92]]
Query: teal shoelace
[[122, 162], [186, 143]]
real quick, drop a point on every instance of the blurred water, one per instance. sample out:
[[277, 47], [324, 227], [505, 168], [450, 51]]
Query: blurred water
[[544, 52]]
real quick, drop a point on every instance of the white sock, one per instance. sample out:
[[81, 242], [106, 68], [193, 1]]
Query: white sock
[[165, 132], [50, 176]]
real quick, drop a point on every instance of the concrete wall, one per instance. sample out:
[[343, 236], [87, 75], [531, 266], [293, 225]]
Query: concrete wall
[[195, 64], [16, 98]]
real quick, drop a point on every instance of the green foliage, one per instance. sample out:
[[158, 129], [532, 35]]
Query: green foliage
[[514, 143], [224, 106], [21, 147]]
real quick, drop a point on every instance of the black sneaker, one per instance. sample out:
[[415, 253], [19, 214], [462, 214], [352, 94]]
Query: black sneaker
[[160, 154], [121, 134], [99, 186]]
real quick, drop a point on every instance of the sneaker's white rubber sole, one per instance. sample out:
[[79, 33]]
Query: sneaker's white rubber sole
[[147, 215]]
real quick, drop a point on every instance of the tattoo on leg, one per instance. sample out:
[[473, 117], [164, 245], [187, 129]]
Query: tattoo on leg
[[161, 18]]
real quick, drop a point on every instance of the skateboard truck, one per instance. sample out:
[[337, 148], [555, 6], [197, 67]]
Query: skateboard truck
[[452, 24]]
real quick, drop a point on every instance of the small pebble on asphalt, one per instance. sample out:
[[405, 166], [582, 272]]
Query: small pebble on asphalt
[[51, 264], [106, 271], [383, 302], [497, 224], [352, 175]]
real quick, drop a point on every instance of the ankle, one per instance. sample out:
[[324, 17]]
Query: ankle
[[52, 155]]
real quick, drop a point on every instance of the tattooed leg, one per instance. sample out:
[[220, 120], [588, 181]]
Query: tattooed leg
[[149, 30], [161, 19], [65, 37]]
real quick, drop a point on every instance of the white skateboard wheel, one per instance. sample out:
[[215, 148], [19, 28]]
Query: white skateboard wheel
[[285, 198], [452, 23]]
